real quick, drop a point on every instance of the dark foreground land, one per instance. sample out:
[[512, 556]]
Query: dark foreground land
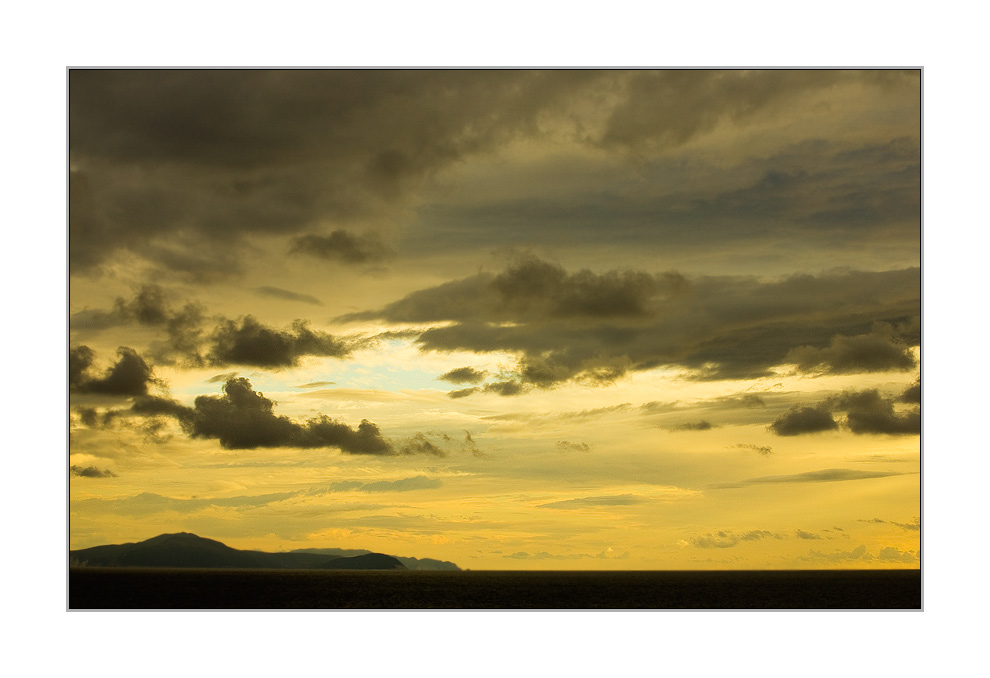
[[160, 588]]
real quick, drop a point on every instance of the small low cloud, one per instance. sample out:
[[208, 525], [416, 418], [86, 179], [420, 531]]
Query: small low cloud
[[463, 375], [91, 472], [695, 426], [800, 420], [765, 450], [801, 534], [723, 539], [568, 446], [595, 502]]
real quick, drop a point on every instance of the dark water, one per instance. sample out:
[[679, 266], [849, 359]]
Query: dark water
[[136, 588]]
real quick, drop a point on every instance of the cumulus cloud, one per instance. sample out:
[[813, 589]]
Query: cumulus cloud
[[824, 476], [249, 342], [912, 394], [869, 412], [129, 376], [799, 420], [242, 418], [801, 534], [568, 446]]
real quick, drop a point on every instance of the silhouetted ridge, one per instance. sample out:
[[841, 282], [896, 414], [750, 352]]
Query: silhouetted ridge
[[183, 549]]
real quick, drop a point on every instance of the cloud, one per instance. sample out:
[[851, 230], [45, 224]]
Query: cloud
[[129, 376], [890, 554], [765, 450], [807, 535], [597, 327], [858, 553], [869, 412], [724, 539], [878, 351], [463, 375], [800, 420], [244, 419], [567, 446], [912, 394], [595, 502], [342, 246], [91, 472], [824, 476], [403, 485], [279, 293], [186, 186], [251, 343], [695, 426], [148, 503]]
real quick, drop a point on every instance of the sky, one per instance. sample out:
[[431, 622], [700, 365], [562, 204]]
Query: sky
[[512, 319]]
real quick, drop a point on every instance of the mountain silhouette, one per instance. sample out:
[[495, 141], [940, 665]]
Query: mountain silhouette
[[183, 549]]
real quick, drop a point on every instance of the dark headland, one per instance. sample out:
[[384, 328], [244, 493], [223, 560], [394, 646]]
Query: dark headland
[[183, 571]]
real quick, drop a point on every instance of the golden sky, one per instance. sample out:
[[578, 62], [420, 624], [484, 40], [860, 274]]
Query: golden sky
[[509, 319]]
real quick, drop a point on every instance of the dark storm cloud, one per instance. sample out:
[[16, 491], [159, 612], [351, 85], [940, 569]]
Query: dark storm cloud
[[800, 420], [129, 376], [595, 328], [248, 342], [91, 472], [179, 166], [595, 502], [279, 293], [825, 476], [668, 108], [342, 246], [463, 375], [809, 194]]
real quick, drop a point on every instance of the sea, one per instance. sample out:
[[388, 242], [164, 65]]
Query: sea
[[117, 588]]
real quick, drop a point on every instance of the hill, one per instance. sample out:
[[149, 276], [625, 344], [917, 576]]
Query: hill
[[188, 550], [410, 563]]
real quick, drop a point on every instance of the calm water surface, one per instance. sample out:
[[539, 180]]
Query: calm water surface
[[158, 588]]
